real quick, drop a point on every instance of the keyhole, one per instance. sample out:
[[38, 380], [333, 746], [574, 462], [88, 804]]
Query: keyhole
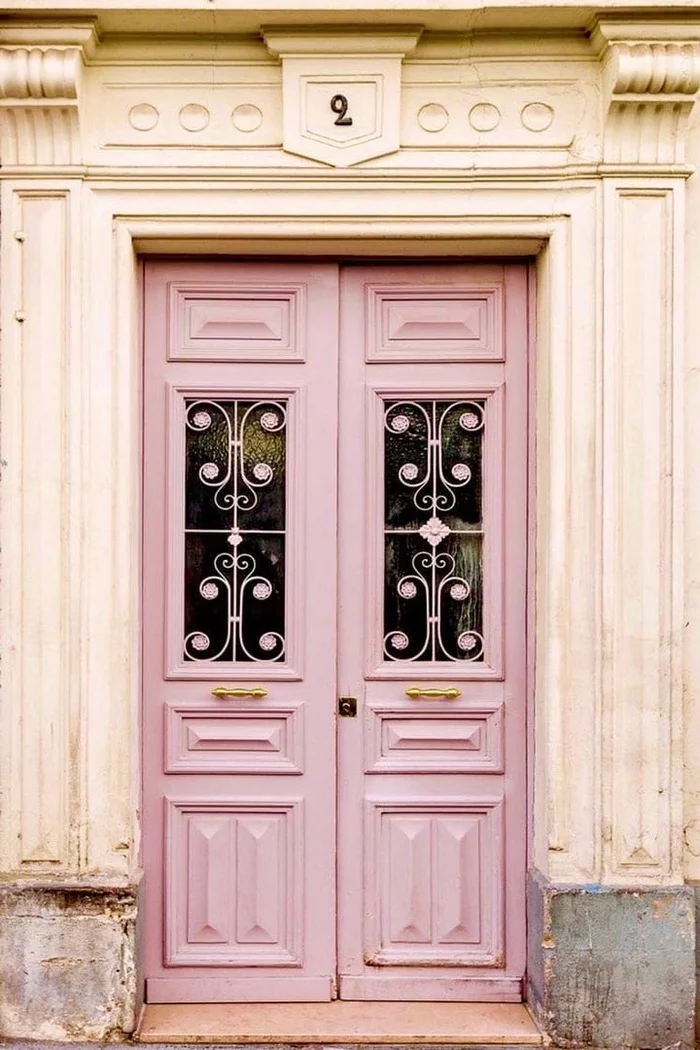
[[339, 105]]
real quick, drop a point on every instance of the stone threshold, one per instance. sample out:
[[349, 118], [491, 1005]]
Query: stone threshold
[[340, 1023]]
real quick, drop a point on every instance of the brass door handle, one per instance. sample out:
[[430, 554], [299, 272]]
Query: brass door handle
[[415, 692], [255, 691]]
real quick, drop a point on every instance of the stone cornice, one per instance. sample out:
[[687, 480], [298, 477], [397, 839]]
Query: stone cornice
[[341, 40]]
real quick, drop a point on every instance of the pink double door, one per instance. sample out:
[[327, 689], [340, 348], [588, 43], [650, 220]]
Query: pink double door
[[335, 496]]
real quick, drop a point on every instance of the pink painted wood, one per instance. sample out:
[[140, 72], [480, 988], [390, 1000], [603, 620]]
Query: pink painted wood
[[239, 811], [240, 841], [432, 831]]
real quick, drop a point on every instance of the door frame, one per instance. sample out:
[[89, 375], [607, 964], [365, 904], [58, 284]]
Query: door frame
[[550, 238], [369, 257]]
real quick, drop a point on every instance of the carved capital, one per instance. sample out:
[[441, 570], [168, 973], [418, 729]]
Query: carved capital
[[39, 73], [667, 70], [40, 94], [649, 87]]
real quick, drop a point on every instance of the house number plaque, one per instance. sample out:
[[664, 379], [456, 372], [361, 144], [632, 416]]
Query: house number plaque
[[341, 99]]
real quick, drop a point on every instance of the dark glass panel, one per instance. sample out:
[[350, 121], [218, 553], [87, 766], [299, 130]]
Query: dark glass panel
[[263, 467], [444, 582], [208, 435], [208, 596], [234, 598], [433, 601], [235, 451], [235, 480], [261, 635], [417, 481]]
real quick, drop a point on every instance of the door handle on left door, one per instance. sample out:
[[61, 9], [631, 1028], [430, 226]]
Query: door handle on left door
[[255, 691], [415, 692]]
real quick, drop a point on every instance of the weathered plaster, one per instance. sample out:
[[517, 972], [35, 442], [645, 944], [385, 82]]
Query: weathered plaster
[[68, 962], [612, 966]]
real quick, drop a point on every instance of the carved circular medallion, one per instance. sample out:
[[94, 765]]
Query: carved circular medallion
[[143, 117], [537, 116], [433, 117], [484, 116], [194, 117], [246, 118]]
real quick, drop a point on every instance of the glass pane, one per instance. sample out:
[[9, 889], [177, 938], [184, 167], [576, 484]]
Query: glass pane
[[235, 481], [433, 587]]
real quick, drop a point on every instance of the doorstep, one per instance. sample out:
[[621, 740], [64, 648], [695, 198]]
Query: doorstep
[[495, 1024]]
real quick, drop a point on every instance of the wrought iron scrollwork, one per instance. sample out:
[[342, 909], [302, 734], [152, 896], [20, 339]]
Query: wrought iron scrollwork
[[438, 603], [232, 466]]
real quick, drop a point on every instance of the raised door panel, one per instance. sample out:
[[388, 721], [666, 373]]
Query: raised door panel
[[232, 878], [444, 323], [216, 321], [435, 869], [203, 739], [422, 740]]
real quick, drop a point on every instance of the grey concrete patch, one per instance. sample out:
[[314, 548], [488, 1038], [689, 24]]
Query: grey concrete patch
[[696, 887], [612, 967], [67, 962]]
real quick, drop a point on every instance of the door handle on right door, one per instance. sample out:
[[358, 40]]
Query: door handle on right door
[[415, 692]]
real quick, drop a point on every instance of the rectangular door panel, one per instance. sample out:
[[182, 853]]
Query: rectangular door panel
[[419, 739], [236, 320], [460, 321], [232, 876], [435, 868], [247, 740]]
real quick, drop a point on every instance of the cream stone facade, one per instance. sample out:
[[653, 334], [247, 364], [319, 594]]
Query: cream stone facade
[[563, 134]]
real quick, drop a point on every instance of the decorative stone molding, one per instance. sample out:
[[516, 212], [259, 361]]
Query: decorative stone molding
[[341, 91], [39, 73], [649, 88], [39, 98]]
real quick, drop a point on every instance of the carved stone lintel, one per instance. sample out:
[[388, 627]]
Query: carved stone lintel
[[649, 89], [39, 98]]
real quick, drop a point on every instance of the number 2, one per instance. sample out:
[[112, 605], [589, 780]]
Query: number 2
[[339, 105]]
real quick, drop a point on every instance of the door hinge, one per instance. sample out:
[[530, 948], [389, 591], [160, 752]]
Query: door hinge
[[347, 706]]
